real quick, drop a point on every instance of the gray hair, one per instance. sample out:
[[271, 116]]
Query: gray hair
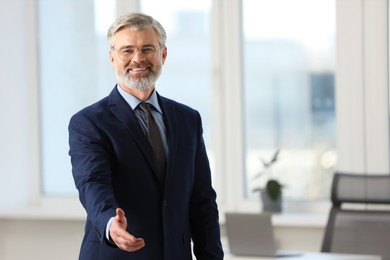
[[136, 21]]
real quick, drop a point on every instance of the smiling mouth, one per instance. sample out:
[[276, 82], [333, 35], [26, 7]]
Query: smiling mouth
[[137, 70]]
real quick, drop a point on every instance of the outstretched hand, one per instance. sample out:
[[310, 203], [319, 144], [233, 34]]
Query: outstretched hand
[[119, 235]]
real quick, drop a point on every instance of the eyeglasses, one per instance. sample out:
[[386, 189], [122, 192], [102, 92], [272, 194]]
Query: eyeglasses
[[128, 53]]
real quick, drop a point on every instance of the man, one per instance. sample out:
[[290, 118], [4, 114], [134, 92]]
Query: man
[[139, 161]]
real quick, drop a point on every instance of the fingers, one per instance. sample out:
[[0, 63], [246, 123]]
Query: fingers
[[129, 245], [124, 240], [119, 235]]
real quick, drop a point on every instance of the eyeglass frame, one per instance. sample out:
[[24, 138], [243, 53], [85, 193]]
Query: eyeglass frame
[[136, 50]]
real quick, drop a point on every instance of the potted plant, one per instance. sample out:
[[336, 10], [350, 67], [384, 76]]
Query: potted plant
[[271, 193]]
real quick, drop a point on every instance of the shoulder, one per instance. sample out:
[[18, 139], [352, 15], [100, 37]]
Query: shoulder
[[100, 107], [179, 108], [187, 117], [97, 107], [91, 112]]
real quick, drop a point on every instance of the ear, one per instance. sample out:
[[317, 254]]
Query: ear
[[164, 54], [112, 58]]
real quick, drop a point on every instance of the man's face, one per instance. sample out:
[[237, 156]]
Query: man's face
[[137, 58]]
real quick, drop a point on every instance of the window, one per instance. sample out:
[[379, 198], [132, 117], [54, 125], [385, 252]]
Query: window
[[72, 47], [289, 56], [288, 82], [74, 72]]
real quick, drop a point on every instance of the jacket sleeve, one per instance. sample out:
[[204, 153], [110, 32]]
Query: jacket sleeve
[[204, 218], [89, 152]]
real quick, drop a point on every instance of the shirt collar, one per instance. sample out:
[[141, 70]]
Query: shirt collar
[[134, 101]]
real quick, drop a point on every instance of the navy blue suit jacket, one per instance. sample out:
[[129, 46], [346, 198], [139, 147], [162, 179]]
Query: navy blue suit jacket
[[112, 167]]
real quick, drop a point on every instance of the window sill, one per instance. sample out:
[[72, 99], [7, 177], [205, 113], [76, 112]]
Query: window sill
[[306, 220], [47, 209], [71, 210]]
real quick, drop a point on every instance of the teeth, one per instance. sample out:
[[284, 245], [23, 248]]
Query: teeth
[[138, 69]]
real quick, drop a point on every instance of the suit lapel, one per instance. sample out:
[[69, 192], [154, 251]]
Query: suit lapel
[[126, 116], [170, 122]]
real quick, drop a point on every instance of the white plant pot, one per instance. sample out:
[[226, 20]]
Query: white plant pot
[[270, 205]]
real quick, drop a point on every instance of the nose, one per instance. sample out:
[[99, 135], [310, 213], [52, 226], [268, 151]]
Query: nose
[[138, 56]]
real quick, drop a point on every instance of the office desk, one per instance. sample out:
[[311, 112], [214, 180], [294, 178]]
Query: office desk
[[308, 256]]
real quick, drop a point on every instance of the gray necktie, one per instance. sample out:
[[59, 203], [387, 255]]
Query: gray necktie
[[155, 141]]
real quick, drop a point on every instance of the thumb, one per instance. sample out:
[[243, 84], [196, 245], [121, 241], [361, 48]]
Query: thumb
[[120, 214]]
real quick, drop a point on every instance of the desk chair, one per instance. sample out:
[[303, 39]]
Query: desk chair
[[359, 220]]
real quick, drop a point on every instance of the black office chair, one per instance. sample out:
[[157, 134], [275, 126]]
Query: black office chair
[[359, 220]]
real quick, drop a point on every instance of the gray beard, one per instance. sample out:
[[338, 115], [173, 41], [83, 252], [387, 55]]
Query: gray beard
[[140, 83]]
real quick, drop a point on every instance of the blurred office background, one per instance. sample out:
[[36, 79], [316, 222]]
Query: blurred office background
[[308, 77]]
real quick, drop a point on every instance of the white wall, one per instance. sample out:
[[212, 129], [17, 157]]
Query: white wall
[[362, 99], [362, 120], [18, 102]]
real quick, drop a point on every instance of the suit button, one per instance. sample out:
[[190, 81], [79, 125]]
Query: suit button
[[164, 203]]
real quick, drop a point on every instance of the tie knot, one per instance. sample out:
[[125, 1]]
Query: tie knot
[[145, 106]]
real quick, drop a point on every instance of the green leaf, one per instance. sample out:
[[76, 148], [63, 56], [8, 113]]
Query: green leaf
[[274, 189]]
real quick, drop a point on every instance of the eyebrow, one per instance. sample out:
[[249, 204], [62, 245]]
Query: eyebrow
[[132, 46]]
